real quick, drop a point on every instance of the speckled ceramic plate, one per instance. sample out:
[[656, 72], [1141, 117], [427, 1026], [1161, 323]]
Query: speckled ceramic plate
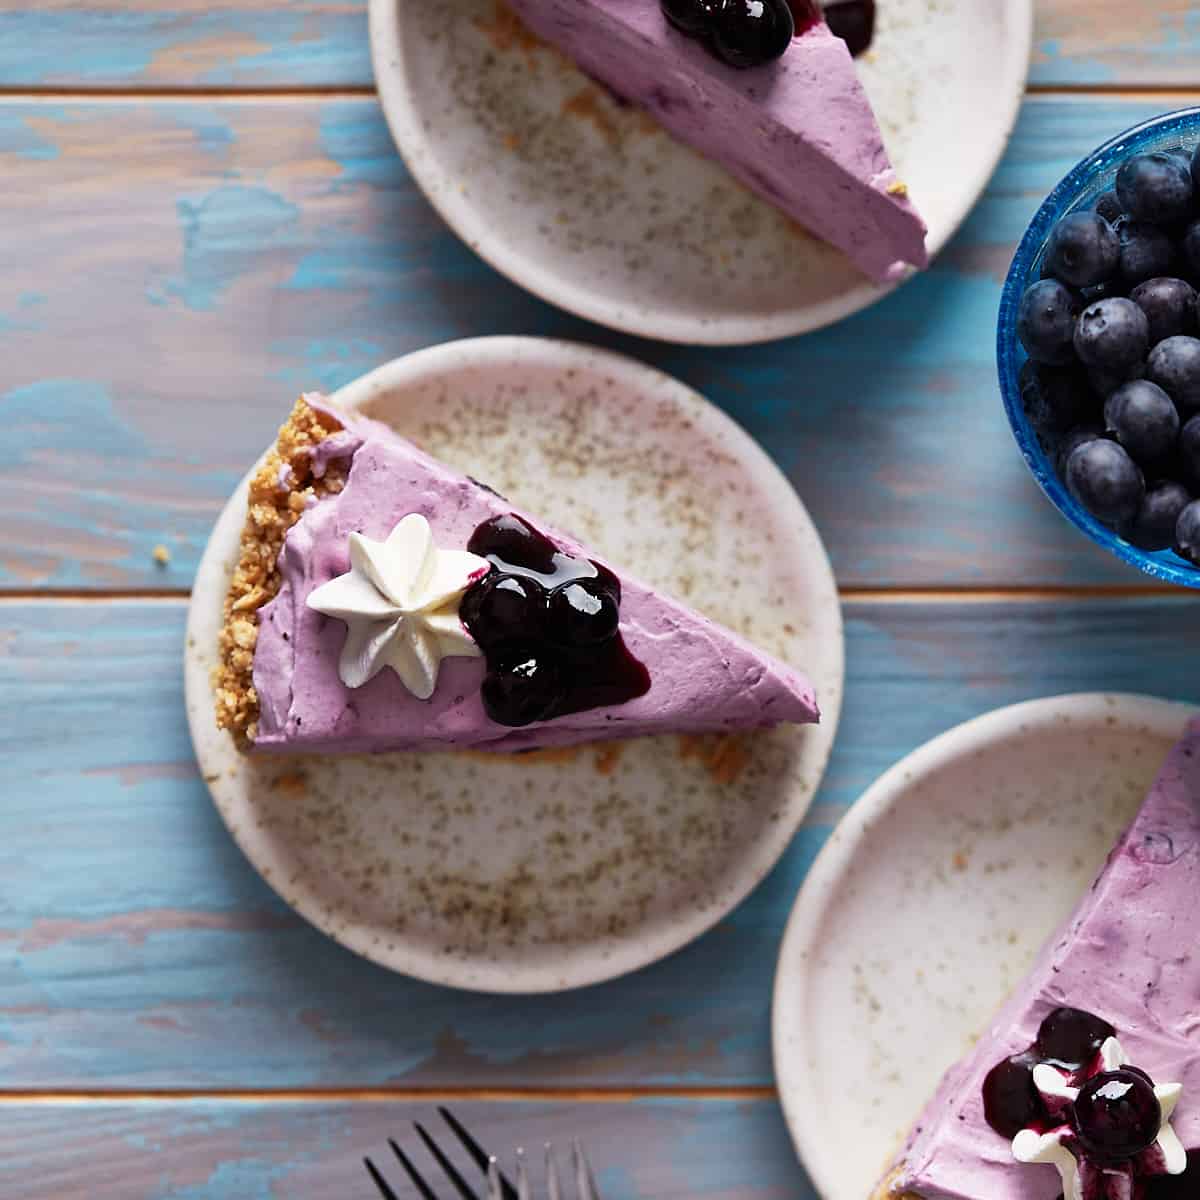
[[541, 872], [593, 207], [928, 904]]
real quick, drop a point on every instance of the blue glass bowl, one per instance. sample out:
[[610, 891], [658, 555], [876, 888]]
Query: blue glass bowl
[[1173, 131]]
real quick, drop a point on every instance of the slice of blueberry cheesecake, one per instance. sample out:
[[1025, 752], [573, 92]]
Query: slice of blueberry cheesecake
[[381, 601], [764, 88], [1087, 1085]]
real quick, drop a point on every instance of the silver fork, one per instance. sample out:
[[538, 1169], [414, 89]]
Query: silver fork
[[498, 1185]]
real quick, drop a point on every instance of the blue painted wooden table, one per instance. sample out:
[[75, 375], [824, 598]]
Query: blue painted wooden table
[[195, 197]]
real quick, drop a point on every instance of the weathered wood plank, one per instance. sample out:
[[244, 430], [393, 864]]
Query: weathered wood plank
[[138, 949], [184, 43], [155, 322], [304, 43], [213, 1150], [1115, 43]]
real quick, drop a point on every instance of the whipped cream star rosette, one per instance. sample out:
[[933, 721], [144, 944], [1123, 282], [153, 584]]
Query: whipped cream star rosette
[[400, 603]]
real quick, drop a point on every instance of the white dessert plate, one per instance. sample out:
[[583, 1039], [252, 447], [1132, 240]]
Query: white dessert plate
[[927, 906], [591, 206], [536, 873]]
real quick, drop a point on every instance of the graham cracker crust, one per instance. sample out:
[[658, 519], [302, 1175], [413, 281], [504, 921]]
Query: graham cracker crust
[[884, 1190], [277, 498]]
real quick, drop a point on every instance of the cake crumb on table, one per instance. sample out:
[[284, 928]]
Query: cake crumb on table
[[162, 555]]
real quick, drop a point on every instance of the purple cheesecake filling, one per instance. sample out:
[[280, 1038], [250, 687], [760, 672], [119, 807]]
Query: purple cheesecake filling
[[1128, 954], [702, 678], [799, 130], [548, 624]]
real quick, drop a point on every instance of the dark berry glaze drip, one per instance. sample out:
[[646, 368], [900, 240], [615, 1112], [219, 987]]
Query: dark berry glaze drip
[[1176, 1187], [806, 14], [1069, 1040], [547, 623]]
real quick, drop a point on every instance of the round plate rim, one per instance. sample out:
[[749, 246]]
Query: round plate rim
[[505, 978], [408, 136], [788, 1009]]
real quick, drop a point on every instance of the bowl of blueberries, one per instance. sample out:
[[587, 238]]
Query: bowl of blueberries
[[1098, 346]]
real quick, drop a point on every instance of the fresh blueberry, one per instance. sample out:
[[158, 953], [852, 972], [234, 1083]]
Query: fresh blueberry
[[1189, 247], [1174, 364], [1144, 419], [1187, 533], [1104, 383], [504, 608], [1185, 165], [1169, 305], [1108, 206], [1106, 481], [1046, 319], [1112, 334], [1055, 398], [582, 613], [1102, 291], [1196, 169], [1079, 436], [1183, 158], [1146, 251], [693, 17], [1189, 450], [522, 686], [1083, 250], [1154, 526], [1155, 188], [749, 33]]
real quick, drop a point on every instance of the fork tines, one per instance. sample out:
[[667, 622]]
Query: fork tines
[[498, 1185]]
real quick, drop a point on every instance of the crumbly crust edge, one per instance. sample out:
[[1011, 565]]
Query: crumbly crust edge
[[884, 1190], [280, 490]]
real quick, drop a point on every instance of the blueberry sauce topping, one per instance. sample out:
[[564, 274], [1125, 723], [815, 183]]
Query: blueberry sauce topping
[[806, 14], [851, 20], [1010, 1101], [742, 33], [1069, 1040], [1117, 1115], [547, 623], [749, 33], [1176, 1187]]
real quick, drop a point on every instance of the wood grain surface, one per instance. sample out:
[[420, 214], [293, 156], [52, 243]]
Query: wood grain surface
[[667, 1149], [156, 321], [141, 950], [202, 213], [287, 44]]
